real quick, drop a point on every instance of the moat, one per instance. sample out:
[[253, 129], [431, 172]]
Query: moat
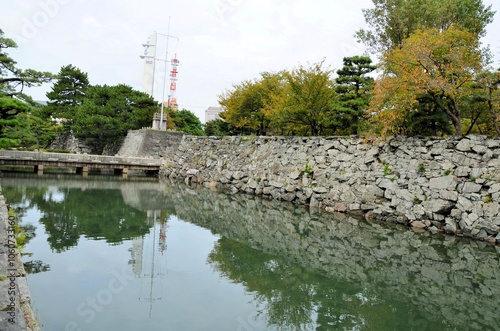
[[109, 253]]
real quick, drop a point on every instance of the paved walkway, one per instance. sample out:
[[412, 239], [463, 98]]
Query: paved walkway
[[15, 305]]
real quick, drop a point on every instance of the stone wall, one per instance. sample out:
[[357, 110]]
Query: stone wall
[[450, 185], [16, 313], [150, 143], [67, 141]]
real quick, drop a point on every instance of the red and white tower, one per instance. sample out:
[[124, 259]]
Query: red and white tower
[[172, 100]]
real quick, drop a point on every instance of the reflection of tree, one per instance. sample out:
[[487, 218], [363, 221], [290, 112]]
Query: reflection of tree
[[97, 214], [291, 296], [276, 282], [21, 197], [36, 266], [29, 231], [62, 230]]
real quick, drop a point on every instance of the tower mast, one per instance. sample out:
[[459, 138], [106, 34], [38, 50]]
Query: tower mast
[[172, 100]]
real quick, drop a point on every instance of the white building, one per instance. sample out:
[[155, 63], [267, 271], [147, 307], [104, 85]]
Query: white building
[[212, 113]]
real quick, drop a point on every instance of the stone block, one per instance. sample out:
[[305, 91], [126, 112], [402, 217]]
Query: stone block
[[494, 188], [320, 189], [387, 184], [450, 225], [418, 224], [438, 206], [462, 171], [275, 184], [294, 174], [252, 183], [448, 195], [464, 145], [442, 183], [469, 187], [480, 149]]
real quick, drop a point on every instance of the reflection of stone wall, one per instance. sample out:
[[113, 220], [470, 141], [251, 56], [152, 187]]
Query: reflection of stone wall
[[455, 280], [141, 193], [450, 185]]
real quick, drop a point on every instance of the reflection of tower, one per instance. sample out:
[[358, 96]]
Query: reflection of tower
[[152, 264], [163, 236], [172, 100], [136, 252]]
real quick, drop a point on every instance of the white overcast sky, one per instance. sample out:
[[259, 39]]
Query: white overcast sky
[[220, 42]]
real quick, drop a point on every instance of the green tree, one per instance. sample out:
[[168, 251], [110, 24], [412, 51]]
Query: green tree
[[108, 112], [30, 130], [13, 80], [487, 92], [426, 120], [246, 104], [392, 21], [68, 92], [15, 105], [304, 105], [22, 126], [438, 64], [219, 127], [10, 107], [241, 105], [186, 121], [354, 91]]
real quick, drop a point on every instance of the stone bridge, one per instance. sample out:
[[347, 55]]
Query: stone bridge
[[82, 162]]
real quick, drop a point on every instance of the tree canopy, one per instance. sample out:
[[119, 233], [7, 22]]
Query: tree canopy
[[304, 105], [185, 121], [392, 21], [13, 80], [438, 65], [68, 92], [354, 91], [20, 122], [297, 101], [108, 112], [219, 127], [245, 105]]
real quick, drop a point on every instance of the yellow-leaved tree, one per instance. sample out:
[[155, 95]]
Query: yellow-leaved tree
[[438, 65], [245, 104]]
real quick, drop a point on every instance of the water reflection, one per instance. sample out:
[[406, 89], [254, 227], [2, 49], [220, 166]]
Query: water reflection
[[367, 276], [70, 212], [305, 271]]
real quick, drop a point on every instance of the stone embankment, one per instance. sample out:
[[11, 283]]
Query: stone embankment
[[442, 185], [68, 141], [150, 143], [16, 313], [137, 143]]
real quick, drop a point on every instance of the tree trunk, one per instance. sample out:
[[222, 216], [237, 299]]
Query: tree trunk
[[493, 114], [453, 113]]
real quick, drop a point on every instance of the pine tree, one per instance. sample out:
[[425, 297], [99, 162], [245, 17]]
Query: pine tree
[[68, 92], [354, 90]]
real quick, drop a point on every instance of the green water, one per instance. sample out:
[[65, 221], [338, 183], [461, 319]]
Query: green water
[[140, 254]]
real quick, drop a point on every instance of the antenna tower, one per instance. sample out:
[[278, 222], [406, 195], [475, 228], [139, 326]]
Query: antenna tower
[[172, 100]]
